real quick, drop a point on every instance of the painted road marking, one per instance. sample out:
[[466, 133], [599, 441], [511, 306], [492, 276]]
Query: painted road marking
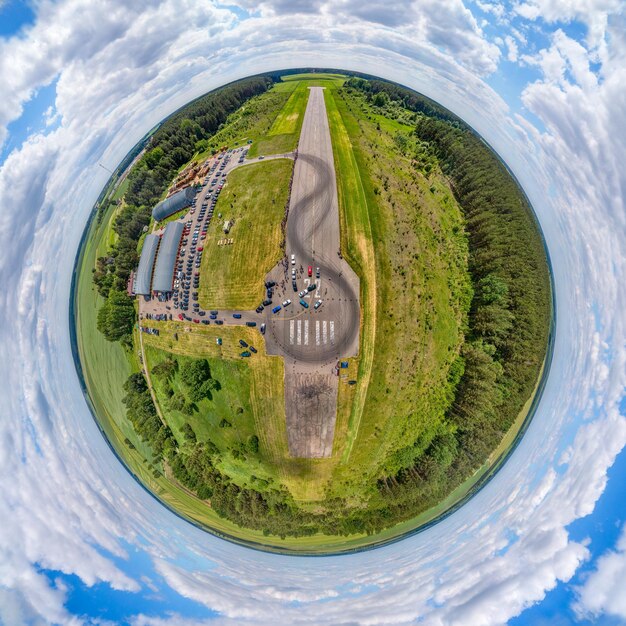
[[291, 328], [332, 333], [317, 333], [324, 332], [306, 332], [299, 332]]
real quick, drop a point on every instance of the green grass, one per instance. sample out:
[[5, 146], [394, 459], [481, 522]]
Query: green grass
[[322, 79], [232, 276], [251, 122], [255, 384], [283, 135], [391, 405]]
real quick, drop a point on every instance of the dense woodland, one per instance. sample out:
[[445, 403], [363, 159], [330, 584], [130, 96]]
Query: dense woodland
[[169, 148], [499, 364]]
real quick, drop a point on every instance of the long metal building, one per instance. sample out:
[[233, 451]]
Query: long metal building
[[174, 203], [143, 278], [163, 277]]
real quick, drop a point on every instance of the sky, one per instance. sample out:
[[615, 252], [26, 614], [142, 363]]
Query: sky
[[544, 81]]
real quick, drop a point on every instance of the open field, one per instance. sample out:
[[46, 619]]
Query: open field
[[321, 79], [395, 386], [252, 122], [232, 276]]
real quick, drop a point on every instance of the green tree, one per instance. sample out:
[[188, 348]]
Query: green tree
[[116, 316]]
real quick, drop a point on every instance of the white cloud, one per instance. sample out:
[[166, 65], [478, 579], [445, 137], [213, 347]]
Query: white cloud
[[512, 50], [603, 590], [594, 14]]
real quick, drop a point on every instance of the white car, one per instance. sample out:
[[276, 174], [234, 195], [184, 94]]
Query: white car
[[293, 259], [286, 303], [318, 304], [302, 293]]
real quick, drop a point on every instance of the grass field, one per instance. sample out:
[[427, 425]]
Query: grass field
[[378, 226], [231, 276], [254, 384]]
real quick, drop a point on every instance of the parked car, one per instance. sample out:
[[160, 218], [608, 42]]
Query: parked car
[[318, 304], [310, 270], [304, 304], [287, 302], [277, 308]]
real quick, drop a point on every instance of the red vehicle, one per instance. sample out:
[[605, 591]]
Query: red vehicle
[[196, 321], [310, 270], [181, 317], [200, 248]]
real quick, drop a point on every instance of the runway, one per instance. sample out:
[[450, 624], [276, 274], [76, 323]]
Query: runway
[[312, 341]]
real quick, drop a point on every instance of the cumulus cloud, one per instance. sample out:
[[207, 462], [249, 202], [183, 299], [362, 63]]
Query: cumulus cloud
[[603, 590], [69, 506]]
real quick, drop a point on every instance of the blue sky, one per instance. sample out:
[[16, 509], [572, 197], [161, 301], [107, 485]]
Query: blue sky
[[544, 82]]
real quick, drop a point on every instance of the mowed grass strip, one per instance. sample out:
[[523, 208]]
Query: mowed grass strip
[[284, 134], [232, 275], [358, 249], [289, 119]]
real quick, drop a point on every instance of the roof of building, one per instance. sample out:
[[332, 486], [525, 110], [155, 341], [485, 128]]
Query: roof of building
[[166, 258], [174, 203], [143, 278]]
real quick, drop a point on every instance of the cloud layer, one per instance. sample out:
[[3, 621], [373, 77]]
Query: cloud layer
[[66, 503]]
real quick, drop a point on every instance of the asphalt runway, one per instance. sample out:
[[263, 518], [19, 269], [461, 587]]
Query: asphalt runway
[[313, 341]]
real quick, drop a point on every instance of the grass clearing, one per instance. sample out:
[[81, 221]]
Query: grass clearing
[[232, 276], [255, 384]]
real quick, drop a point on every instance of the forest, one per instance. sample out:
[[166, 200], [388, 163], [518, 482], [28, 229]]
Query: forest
[[170, 147]]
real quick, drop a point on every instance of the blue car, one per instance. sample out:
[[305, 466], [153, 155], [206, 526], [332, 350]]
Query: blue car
[[237, 316], [276, 308], [251, 324], [304, 304]]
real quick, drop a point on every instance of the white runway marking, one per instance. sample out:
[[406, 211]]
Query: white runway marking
[[306, 332], [332, 333], [299, 332], [317, 333], [291, 329], [324, 332]]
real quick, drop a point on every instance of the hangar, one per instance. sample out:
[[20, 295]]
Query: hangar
[[163, 277], [143, 278], [176, 202]]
